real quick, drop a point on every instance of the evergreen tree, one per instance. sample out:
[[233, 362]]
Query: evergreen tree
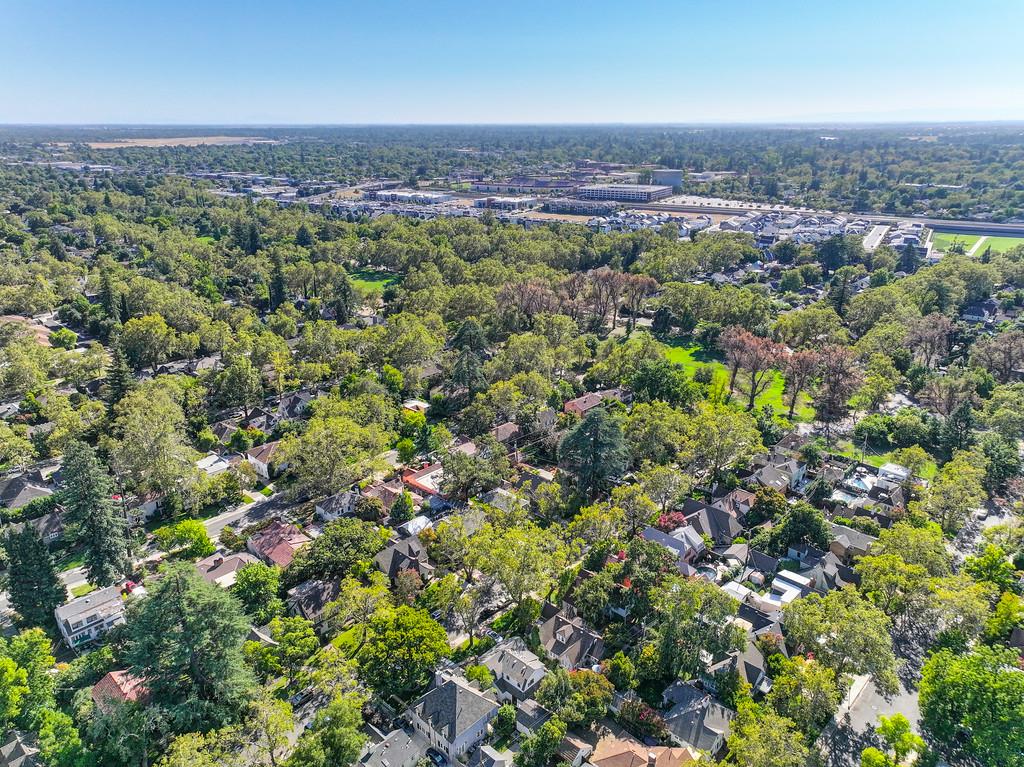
[[185, 640], [102, 530], [594, 451], [345, 299], [304, 237], [468, 373], [119, 375], [278, 286], [34, 588], [110, 300], [957, 431], [470, 337]]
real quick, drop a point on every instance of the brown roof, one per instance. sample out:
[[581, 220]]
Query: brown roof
[[278, 543], [118, 687], [618, 752], [263, 453]]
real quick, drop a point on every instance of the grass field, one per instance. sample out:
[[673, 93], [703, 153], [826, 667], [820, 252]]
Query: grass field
[[1001, 244], [941, 241], [692, 356], [82, 589], [877, 459], [367, 280]]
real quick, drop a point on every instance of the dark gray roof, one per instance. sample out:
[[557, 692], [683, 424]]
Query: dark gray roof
[[311, 597], [19, 750], [19, 490], [399, 749], [452, 707], [407, 554], [696, 719]]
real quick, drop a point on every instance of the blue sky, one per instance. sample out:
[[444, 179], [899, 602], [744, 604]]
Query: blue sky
[[510, 61]]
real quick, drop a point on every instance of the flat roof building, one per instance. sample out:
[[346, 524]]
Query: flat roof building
[[625, 192]]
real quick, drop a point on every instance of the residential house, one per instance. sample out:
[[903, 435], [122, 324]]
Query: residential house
[[779, 470], [749, 664], [293, 405], [573, 751], [530, 715], [612, 751], [828, 572], [387, 493], [212, 464], [309, 599], [87, 618], [17, 490], [278, 543], [416, 406], [755, 566], [849, 544], [685, 542], [737, 503], [262, 460], [980, 312], [503, 499], [221, 568], [50, 527], [406, 554], [224, 430], [696, 719], [19, 750], [336, 506], [583, 404], [400, 748], [517, 671], [117, 687], [506, 433], [453, 714], [567, 638], [714, 523], [426, 481]]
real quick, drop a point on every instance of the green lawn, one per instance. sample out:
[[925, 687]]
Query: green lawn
[[367, 280], [69, 560], [873, 458], [691, 356], [942, 240], [82, 589], [1001, 244]]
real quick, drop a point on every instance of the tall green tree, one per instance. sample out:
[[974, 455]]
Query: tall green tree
[[101, 528], [34, 588], [974, 703], [594, 452], [185, 641], [759, 737], [403, 647], [846, 633], [120, 378]]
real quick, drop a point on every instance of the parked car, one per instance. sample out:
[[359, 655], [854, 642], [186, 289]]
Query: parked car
[[435, 756]]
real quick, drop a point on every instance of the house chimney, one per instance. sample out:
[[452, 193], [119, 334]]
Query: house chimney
[[652, 759]]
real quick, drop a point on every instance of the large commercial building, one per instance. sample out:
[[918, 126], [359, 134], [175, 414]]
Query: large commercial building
[[624, 192], [668, 176], [408, 196]]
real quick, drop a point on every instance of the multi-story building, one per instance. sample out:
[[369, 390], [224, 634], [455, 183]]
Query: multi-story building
[[625, 192], [86, 619]]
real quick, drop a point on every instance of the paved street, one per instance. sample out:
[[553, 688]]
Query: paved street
[[842, 743], [240, 516]]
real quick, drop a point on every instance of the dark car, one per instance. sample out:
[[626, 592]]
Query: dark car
[[435, 756]]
